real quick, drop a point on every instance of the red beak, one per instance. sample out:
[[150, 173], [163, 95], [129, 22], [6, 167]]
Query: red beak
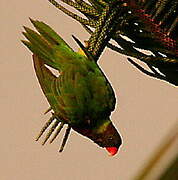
[[112, 150]]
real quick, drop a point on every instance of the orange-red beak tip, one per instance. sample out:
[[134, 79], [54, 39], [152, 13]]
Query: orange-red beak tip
[[112, 150]]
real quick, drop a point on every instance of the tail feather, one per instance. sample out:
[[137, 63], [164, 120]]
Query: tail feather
[[48, 45], [48, 33], [39, 52], [39, 44]]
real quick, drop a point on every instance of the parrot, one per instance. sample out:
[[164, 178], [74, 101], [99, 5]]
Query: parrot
[[80, 96]]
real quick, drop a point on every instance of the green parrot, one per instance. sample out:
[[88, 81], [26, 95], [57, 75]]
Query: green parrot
[[80, 95]]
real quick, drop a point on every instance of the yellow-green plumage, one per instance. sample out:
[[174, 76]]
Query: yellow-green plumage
[[80, 95]]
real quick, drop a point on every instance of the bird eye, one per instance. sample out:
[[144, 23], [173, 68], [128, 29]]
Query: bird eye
[[110, 138]]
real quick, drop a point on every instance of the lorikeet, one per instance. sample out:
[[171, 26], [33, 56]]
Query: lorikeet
[[80, 96]]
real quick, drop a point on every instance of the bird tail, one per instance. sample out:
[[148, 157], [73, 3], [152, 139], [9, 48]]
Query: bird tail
[[48, 45]]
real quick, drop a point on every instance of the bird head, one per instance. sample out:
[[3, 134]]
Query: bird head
[[104, 134]]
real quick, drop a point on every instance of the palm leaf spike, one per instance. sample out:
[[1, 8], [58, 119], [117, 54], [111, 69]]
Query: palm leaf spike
[[102, 34], [172, 27], [87, 6], [107, 31], [95, 4], [166, 15], [48, 110], [53, 127], [65, 138], [83, 8], [93, 39], [47, 124], [58, 130], [169, 77], [74, 16], [131, 51], [160, 6], [102, 2], [87, 53], [146, 4], [155, 73], [170, 19]]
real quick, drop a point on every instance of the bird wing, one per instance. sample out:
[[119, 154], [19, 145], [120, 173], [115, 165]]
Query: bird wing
[[103, 98], [47, 81]]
